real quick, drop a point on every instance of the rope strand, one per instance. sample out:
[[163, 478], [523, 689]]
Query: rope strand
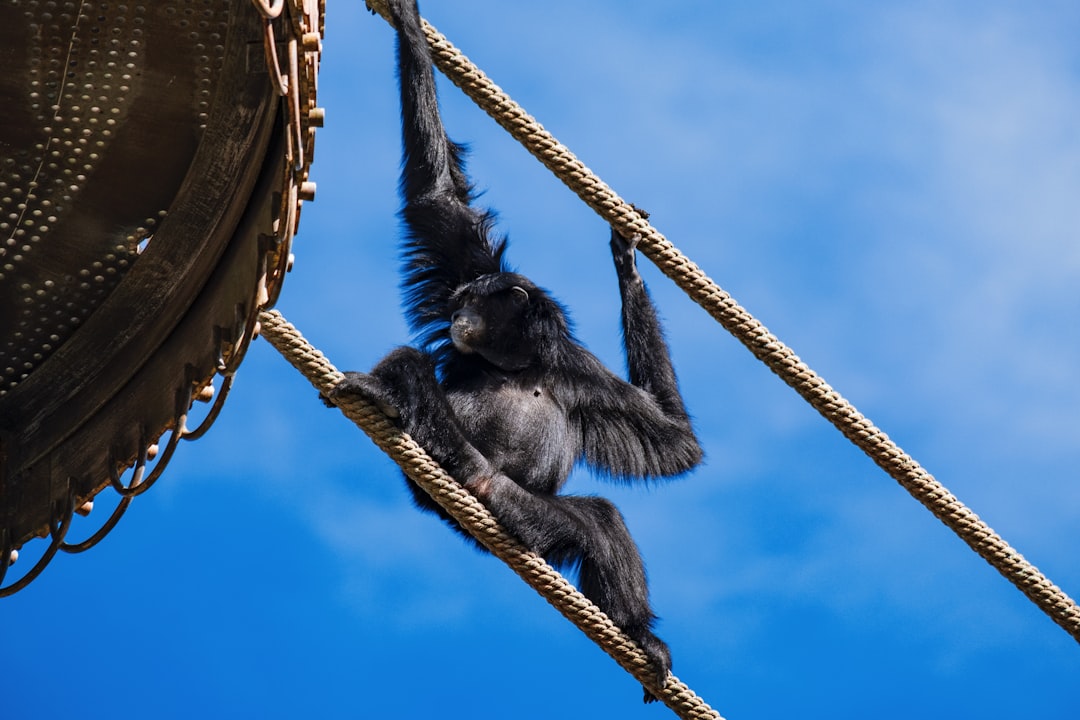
[[478, 521]]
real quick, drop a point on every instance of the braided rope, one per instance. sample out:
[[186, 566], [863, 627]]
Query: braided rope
[[779, 358], [474, 517]]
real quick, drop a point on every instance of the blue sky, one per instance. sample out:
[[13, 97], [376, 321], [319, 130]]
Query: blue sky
[[890, 187]]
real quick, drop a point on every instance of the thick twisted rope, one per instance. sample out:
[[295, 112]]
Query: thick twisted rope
[[478, 521], [779, 358]]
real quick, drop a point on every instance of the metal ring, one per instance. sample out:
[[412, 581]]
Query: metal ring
[[137, 474], [57, 531], [177, 432], [215, 410], [293, 87], [104, 530], [138, 485], [280, 268], [281, 82], [269, 9]]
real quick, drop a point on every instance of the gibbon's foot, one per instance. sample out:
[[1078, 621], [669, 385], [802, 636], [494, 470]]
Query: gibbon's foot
[[365, 386]]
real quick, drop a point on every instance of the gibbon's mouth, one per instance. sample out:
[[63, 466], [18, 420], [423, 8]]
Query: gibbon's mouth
[[458, 336]]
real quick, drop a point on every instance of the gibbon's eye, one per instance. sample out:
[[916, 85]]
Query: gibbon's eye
[[459, 299], [521, 293]]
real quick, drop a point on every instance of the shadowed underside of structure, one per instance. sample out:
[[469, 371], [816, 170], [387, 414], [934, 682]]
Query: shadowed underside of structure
[[153, 158]]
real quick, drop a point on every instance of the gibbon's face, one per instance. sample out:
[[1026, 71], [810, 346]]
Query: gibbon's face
[[489, 317]]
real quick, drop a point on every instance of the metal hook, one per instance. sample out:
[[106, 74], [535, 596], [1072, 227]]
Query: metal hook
[[215, 410], [129, 490], [270, 9], [57, 531], [179, 428], [280, 82], [104, 530]]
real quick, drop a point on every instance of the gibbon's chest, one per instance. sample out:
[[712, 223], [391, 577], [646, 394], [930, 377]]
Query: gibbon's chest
[[520, 428]]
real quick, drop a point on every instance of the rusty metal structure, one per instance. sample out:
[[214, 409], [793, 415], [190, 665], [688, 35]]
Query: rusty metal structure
[[154, 157]]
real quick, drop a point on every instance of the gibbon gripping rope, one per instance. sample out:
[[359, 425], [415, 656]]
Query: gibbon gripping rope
[[778, 357], [478, 521]]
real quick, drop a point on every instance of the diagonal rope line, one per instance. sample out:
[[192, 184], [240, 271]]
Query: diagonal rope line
[[777, 356], [474, 517]]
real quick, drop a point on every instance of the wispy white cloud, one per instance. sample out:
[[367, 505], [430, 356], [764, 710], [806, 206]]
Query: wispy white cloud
[[992, 228]]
